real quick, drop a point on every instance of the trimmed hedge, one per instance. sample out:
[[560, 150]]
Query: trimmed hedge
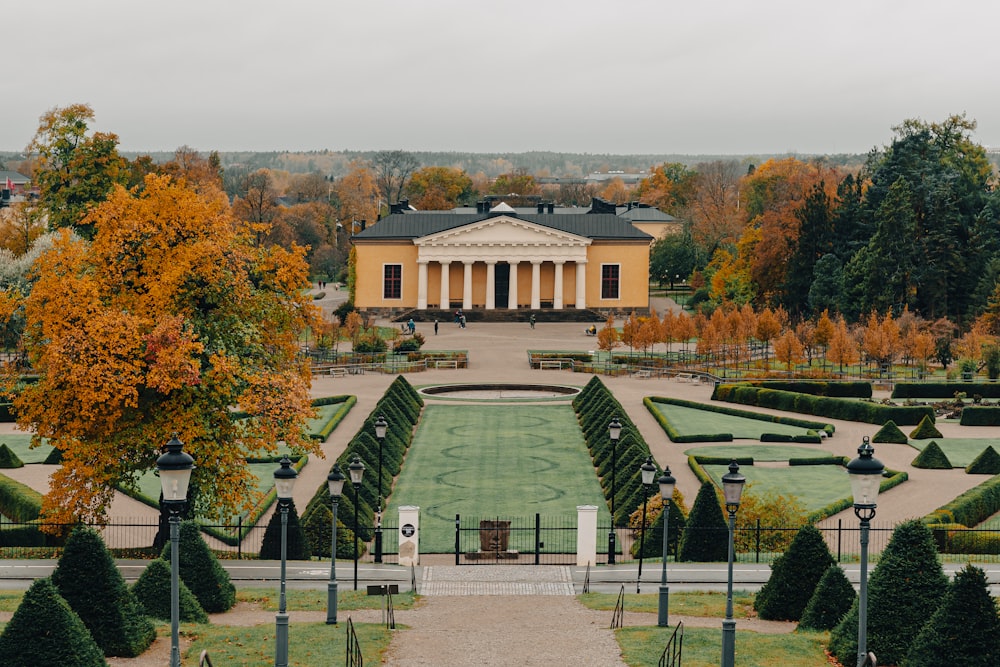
[[19, 502], [969, 509], [794, 576], [945, 389], [819, 388], [152, 589], [832, 598], [932, 458], [296, 544], [890, 434], [987, 463], [201, 571], [8, 459], [649, 402], [980, 415], [823, 406], [924, 430]]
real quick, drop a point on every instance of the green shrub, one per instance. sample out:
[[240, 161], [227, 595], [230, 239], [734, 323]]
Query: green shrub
[[890, 433], [980, 415], [945, 389], [970, 508], [925, 429], [317, 522], [904, 590], [296, 544], [152, 589], [932, 458], [8, 459], [46, 631], [19, 502], [54, 457], [987, 463], [794, 576], [832, 598], [201, 571], [653, 546], [89, 580], [965, 629], [705, 533], [775, 437]]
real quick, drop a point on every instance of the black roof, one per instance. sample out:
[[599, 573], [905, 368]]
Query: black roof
[[417, 225]]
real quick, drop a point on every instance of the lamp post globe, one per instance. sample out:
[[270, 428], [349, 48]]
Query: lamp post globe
[[284, 484], [666, 483], [865, 473], [174, 467], [335, 484], [356, 470], [648, 473], [614, 433], [732, 490]]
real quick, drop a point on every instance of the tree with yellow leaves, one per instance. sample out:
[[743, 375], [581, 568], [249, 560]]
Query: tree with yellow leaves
[[167, 321]]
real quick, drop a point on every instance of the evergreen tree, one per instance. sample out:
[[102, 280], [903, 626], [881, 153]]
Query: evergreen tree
[[832, 598], [827, 289], [705, 537], [89, 580], [903, 592], [152, 589], [965, 629], [296, 544], [794, 576], [46, 631], [201, 571]]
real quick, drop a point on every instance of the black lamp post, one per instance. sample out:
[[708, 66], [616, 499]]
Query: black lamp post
[[732, 489], [356, 471], [175, 469], [865, 473], [335, 482], [284, 483], [666, 482], [648, 472], [380, 427], [614, 432]]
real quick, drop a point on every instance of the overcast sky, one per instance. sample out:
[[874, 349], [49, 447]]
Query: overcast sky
[[581, 76]]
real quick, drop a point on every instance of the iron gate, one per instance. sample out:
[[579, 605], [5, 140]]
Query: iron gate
[[508, 540]]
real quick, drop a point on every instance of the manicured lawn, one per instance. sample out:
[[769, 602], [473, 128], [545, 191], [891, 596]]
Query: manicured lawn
[[692, 421], [494, 460], [960, 451], [761, 452], [19, 443], [814, 486], [702, 647]]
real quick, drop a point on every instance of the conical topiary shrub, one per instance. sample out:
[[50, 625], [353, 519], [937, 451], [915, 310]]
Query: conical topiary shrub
[[987, 463], [903, 592], [965, 630], [54, 457], [46, 631], [201, 571], [925, 429], [794, 576], [932, 458], [8, 459], [832, 598], [317, 524], [890, 433], [152, 589], [296, 544], [706, 533], [89, 580]]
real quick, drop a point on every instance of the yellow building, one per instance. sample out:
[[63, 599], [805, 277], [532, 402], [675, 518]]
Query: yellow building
[[502, 259]]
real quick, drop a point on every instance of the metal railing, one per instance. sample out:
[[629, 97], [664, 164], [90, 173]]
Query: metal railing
[[671, 656], [510, 540], [618, 616], [204, 660], [354, 657]]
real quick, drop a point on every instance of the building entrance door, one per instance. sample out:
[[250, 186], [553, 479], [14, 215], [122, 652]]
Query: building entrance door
[[501, 282]]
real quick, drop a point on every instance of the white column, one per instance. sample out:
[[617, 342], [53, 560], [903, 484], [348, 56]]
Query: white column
[[581, 284], [512, 291], [409, 535], [557, 297], [467, 287], [586, 535], [536, 284], [445, 287], [491, 288], [422, 285]]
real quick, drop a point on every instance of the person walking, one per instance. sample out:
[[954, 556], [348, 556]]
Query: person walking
[[411, 326], [461, 320], [531, 320], [435, 327]]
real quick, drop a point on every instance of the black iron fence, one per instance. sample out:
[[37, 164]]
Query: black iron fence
[[531, 540]]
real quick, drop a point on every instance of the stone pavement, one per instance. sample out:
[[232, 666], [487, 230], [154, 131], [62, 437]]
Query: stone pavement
[[496, 580]]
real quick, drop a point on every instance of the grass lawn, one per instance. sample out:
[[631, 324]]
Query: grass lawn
[[692, 421], [149, 483], [960, 451], [494, 460], [642, 645], [814, 486], [19, 444], [761, 452]]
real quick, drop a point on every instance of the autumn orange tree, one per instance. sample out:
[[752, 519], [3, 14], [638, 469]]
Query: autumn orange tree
[[167, 321]]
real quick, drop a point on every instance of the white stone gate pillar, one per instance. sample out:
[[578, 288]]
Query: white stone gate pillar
[[586, 535], [409, 535]]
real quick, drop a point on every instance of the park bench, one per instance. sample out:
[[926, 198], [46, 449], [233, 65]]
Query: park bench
[[337, 371], [684, 377], [550, 363], [642, 373]]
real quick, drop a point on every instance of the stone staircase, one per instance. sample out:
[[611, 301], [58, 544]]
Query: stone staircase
[[503, 315]]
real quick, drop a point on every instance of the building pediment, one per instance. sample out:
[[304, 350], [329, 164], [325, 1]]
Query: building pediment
[[502, 232]]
